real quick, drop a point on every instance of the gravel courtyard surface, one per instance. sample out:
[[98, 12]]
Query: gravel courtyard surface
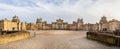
[[57, 39]]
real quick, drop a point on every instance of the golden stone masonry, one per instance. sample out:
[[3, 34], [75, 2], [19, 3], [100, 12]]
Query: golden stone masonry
[[16, 25]]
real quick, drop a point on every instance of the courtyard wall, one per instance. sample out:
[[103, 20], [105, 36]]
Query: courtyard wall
[[14, 37]]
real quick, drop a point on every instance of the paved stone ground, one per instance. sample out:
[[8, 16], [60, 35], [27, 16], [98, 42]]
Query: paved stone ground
[[57, 39]]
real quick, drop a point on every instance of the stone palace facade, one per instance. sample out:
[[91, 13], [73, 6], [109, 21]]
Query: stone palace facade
[[59, 24], [103, 24], [13, 25]]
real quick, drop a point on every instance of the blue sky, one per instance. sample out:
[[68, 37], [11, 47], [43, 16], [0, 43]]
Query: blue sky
[[69, 10]]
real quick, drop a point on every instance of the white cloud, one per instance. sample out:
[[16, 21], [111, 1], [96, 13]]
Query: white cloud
[[49, 10]]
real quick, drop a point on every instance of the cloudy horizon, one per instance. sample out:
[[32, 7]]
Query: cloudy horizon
[[69, 10]]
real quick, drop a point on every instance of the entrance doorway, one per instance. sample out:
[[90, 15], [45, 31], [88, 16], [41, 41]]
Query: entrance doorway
[[13, 29]]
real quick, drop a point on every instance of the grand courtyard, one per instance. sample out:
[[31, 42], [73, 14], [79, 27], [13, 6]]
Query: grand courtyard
[[57, 39]]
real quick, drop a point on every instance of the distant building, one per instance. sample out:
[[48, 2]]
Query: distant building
[[31, 26], [59, 24], [14, 25], [105, 25], [79, 25]]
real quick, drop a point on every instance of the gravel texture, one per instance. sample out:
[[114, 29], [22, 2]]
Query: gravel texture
[[57, 39]]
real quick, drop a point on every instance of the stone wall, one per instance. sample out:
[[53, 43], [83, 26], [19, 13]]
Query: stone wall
[[14, 37], [104, 37]]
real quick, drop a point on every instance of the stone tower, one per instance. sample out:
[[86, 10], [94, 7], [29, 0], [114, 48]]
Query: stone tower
[[80, 20], [39, 20], [103, 20], [15, 19], [39, 23], [79, 24], [103, 24]]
